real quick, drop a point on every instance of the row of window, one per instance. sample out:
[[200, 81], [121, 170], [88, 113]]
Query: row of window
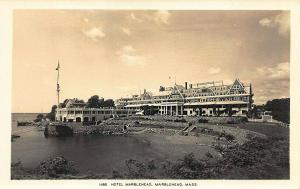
[[235, 98], [93, 112], [200, 94], [124, 102]]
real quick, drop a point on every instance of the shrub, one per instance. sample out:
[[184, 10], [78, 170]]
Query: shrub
[[186, 168], [116, 175], [230, 122], [229, 137], [180, 120], [55, 166], [202, 120], [135, 168], [259, 158], [244, 119]]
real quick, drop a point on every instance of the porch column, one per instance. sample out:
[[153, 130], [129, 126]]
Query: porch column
[[171, 111], [181, 110], [176, 110], [166, 109]]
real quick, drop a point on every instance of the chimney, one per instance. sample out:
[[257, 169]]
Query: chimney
[[185, 84], [144, 91], [191, 86]]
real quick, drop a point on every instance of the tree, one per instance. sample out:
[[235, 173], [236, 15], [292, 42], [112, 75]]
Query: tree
[[39, 118], [108, 103], [161, 88], [51, 115], [79, 100], [63, 105], [280, 109], [95, 102]]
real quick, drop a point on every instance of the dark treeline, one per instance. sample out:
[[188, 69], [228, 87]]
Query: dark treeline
[[280, 109], [96, 102], [93, 102]]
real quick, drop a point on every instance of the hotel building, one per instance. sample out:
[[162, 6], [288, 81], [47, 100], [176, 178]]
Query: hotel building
[[202, 99], [78, 112]]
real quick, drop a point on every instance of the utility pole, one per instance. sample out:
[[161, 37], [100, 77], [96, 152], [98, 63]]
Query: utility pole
[[57, 87]]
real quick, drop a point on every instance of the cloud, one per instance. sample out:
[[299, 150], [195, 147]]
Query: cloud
[[127, 31], [280, 21], [162, 16], [128, 49], [267, 89], [134, 18], [266, 22], [214, 70], [159, 17], [129, 56], [86, 20], [271, 82], [280, 71], [95, 33]]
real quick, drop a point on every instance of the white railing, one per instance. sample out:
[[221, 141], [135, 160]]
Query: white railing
[[270, 121]]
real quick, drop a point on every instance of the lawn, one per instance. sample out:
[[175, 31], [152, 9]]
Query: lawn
[[269, 129]]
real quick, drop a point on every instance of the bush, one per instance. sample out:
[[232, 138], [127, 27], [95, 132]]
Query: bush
[[230, 122], [180, 120], [136, 169], [186, 168], [229, 137], [244, 119], [202, 120], [259, 158], [53, 167], [116, 175]]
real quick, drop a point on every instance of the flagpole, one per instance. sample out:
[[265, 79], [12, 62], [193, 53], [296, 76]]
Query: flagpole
[[57, 87]]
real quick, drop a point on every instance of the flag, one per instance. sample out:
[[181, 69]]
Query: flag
[[57, 68]]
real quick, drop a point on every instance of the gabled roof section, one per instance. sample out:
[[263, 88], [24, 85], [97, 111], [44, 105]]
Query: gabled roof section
[[236, 85], [74, 103], [177, 89]]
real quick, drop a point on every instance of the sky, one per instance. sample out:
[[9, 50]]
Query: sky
[[117, 53]]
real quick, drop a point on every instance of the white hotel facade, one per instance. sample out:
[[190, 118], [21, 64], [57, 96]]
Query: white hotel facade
[[78, 112], [202, 99]]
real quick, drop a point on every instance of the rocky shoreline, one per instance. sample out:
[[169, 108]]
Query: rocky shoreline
[[155, 125]]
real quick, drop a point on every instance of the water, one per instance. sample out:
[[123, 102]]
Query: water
[[100, 154]]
